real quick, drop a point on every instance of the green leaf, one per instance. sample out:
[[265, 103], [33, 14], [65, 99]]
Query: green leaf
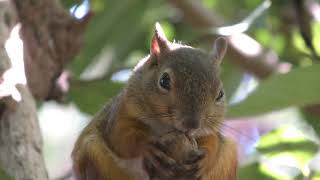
[[316, 36], [69, 3], [91, 96], [252, 171], [299, 87], [298, 42]]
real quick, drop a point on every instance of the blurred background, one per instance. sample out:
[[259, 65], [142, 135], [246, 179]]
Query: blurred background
[[270, 74]]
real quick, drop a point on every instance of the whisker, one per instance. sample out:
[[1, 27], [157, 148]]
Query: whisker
[[237, 132], [218, 125]]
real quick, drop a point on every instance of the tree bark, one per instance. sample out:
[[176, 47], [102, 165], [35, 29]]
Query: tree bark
[[20, 137], [52, 37], [21, 140]]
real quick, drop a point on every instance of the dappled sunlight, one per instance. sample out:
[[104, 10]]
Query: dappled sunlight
[[79, 11], [16, 73], [246, 45], [121, 76], [244, 25], [247, 86]]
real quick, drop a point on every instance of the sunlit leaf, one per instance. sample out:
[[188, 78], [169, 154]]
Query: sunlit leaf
[[279, 172], [316, 36], [298, 42], [297, 88], [263, 36], [287, 145]]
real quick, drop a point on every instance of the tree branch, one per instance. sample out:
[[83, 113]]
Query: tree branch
[[20, 137], [51, 39]]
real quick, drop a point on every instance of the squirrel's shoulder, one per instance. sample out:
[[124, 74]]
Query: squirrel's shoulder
[[105, 117]]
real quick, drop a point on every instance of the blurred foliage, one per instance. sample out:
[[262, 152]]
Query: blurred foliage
[[288, 145], [97, 93], [253, 171], [281, 91], [119, 34], [313, 121]]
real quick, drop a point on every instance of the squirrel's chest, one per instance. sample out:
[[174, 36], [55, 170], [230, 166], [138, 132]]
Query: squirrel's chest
[[134, 166]]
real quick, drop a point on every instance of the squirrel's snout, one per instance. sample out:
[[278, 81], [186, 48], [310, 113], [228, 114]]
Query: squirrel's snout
[[191, 124], [188, 123]]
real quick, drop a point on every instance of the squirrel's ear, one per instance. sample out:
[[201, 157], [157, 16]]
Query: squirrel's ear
[[159, 42], [219, 49]]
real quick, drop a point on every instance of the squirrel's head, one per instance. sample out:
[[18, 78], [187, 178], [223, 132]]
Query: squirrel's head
[[178, 87]]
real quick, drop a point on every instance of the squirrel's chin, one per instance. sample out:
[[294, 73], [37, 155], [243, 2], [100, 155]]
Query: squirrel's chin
[[188, 133], [202, 132]]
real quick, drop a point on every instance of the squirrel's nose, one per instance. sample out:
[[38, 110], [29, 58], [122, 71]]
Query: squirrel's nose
[[191, 123]]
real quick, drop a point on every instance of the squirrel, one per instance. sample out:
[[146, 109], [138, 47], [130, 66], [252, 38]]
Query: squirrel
[[173, 98]]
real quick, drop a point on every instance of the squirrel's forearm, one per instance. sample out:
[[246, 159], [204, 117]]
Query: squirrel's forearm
[[94, 159], [128, 138], [221, 158]]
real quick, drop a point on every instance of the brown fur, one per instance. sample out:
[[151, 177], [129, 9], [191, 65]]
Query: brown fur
[[221, 161], [114, 144]]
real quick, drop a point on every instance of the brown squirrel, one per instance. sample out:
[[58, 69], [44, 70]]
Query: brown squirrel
[[176, 89]]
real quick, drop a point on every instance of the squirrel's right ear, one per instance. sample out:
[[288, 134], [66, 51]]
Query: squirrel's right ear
[[219, 49], [159, 42]]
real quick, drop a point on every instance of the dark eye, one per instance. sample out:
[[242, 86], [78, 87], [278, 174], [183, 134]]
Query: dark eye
[[220, 95], [164, 81]]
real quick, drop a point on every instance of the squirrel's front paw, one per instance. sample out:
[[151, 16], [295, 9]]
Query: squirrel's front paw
[[157, 163], [192, 166]]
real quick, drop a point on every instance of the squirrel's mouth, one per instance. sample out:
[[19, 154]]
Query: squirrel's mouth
[[189, 133]]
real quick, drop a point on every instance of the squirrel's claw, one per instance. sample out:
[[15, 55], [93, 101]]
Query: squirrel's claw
[[191, 166], [158, 162], [195, 156]]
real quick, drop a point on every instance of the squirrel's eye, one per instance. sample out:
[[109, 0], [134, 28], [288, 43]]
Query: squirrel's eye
[[165, 81], [220, 96]]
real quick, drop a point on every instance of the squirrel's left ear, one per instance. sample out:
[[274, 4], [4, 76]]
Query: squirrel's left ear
[[219, 49], [159, 42]]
